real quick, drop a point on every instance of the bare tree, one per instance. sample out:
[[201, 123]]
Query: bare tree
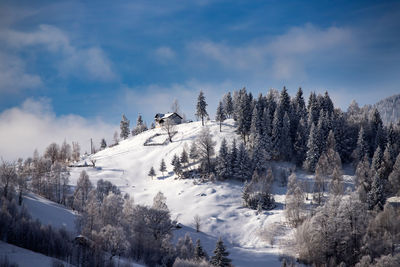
[[52, 152], [169, 127], [205, 147], [116, 138], [93, 161], [8, 176], [197, 222]]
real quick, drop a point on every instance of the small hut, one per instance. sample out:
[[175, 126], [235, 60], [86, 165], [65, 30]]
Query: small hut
[[160, 118]]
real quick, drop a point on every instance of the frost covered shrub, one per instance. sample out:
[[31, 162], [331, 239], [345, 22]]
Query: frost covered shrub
[[256, 194]]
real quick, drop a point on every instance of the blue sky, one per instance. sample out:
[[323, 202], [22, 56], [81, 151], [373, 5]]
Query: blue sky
[[94, 60]]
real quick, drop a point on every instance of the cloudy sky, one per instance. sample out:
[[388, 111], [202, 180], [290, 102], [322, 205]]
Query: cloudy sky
[[69, 69]]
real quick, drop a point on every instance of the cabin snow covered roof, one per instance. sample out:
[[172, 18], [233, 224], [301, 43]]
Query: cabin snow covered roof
[[165, 116]]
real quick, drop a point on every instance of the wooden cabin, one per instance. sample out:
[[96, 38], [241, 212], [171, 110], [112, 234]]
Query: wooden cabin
[[160, 118]]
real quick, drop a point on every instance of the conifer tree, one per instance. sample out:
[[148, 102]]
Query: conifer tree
[[363, 181], [228, 105], [103, 144], [151, 173], [312, 154], [362, 146], [276, 134], [232, 158], [199, 253], [193, 153], [286, 142], [220, 257], [220, 115], [376, 196], [163, 167], [377, 160], [313, 109], [176, 163], [300, 143], [201, 111], [242, 167], [124, 126], [223, 164], [243, 114], [184, 157]]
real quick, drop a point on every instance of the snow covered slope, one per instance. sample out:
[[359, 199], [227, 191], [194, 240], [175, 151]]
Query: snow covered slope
[[48, 212], [24, 257], [219, 204]]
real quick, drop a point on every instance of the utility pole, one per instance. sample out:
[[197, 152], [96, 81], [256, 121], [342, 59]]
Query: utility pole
[[91, 146]]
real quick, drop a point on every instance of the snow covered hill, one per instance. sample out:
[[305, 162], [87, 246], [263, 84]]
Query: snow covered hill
[[218, 204], [49, 212]]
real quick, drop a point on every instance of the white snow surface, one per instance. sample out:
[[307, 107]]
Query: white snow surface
[[49, 212], [24, 257], [218, 204]]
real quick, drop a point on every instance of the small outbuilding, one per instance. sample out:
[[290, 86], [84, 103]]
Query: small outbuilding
[[160, 118]]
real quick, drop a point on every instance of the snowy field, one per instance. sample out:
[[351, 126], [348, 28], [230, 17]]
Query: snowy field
[[252, 239], [219, 204]]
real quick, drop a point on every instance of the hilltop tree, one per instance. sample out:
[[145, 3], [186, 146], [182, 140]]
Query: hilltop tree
[[220, 116], [205, 148], [140, 126], [220, 258], [163, 167], [116, 138], [201, 111], [152, 173], [223, 161], [52, 152], [228, 105], [124, 126], [103, 143]]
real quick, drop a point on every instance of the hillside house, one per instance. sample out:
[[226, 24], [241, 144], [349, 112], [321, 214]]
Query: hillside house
[[160, 118]]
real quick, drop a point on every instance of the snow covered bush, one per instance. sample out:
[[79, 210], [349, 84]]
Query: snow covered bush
[[256, 193]]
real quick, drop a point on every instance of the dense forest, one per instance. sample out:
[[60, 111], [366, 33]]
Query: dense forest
[[335, 227]]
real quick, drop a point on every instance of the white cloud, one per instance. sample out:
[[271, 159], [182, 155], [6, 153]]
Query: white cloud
[[164, 54], [13, 75], [285, 55], [34, 125], [88, 62]]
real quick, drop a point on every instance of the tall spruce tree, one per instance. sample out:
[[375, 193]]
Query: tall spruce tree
[[242, 167], [228, 105], [199, 253], [312, 154], [163, 167], [362, 146], [124, 126], [201, 111], [220, 257], [220, 115], [223, 161]]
